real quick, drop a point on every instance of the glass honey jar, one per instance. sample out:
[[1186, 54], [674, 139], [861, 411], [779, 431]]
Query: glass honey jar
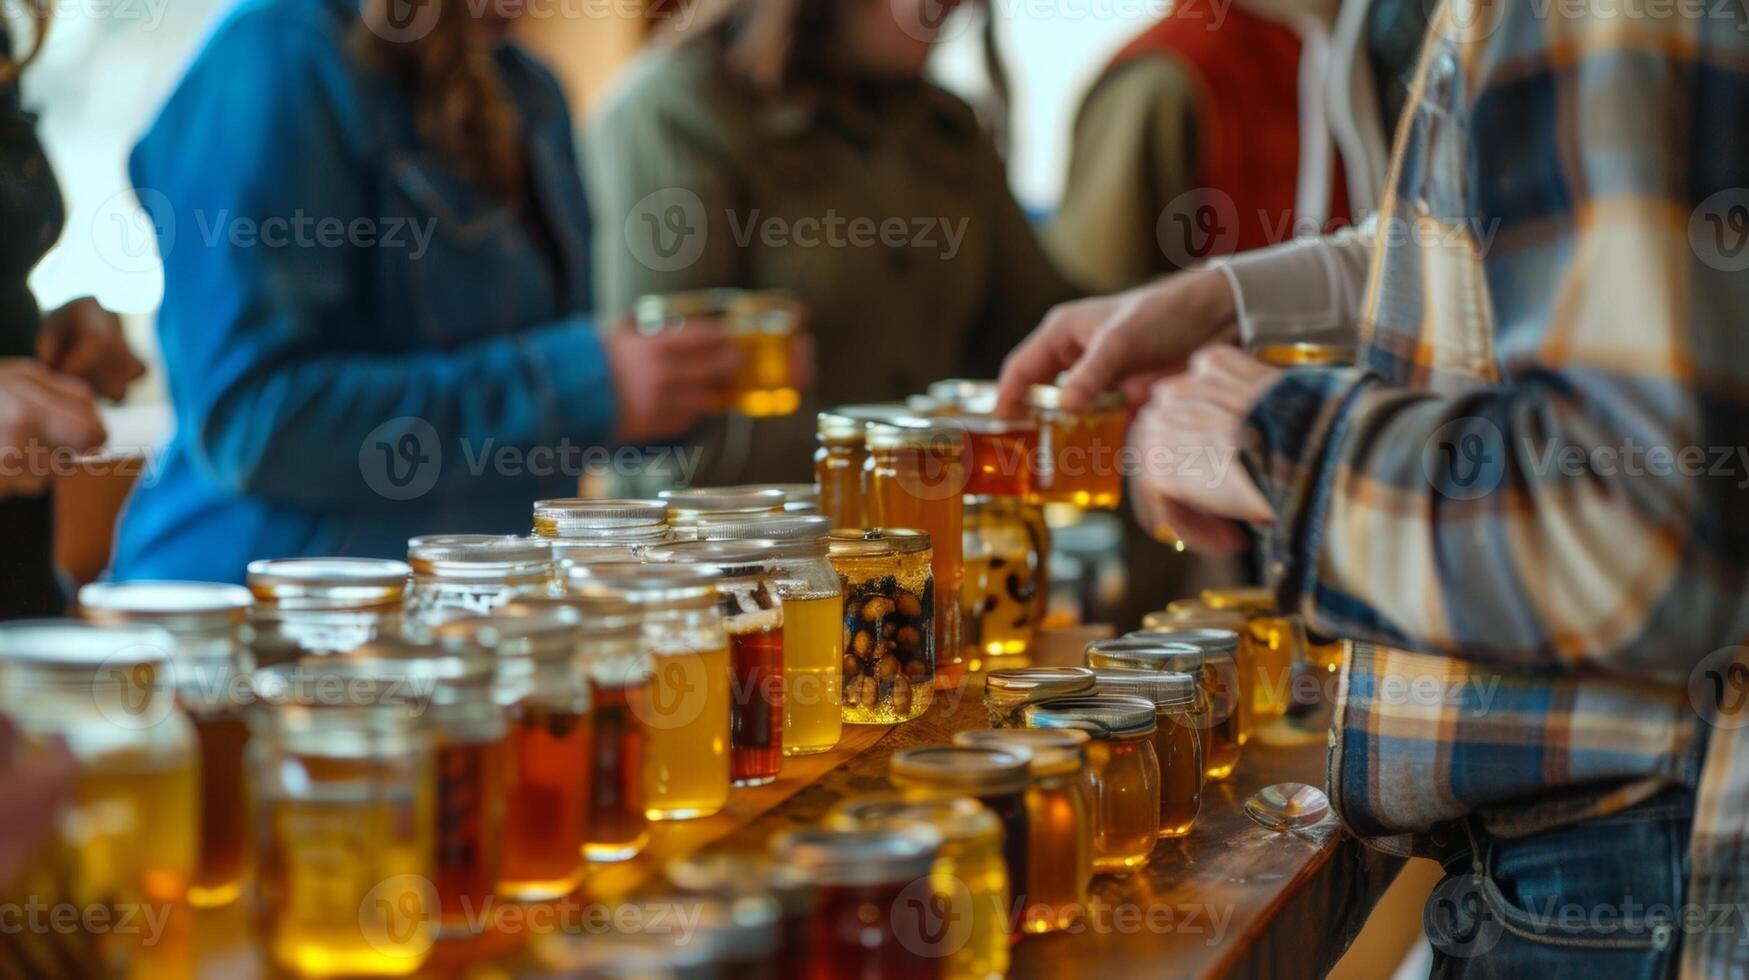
[[544, 694], [740, 875], [813, 623], [1278, 647], [888, 635], [916, 479], [1008, 691], [1210, 655], [969, 879], [319, 606], [132, 829], [209, 670], [674, 699], [1006, 609], [459, 575], [762, 325], [1194, 614], [688, 508], [872, 891], [1001, 455], [1180, 718], [1123, 773], [1060, 821], [345, 801], [1080, 453], [576, 528], [838, 466], [997, 778]]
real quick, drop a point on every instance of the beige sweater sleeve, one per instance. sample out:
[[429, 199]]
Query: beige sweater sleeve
[[1306, 290]]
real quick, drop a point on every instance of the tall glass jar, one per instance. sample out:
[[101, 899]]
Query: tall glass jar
[[1006, 608], [813, 622], [687, 508], [473, 757], [346, 816], [545, 697], [862, 926], [575, 526], [969, 879], [1008, 691], [1059, 811], [1079, 458], [838, 466], [320, 606], [210, 670], [916, 479], [1211, 656], [1124, 773], [888, 662], [997, 778], [459, 575], [1180, 717], [678, 693], [753, 616], [764, 327], [1278, 645], [135, 816]]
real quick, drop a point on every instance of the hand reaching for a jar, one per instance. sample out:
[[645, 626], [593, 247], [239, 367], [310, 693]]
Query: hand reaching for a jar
[[666, 383], [34, 784], [41, 412]]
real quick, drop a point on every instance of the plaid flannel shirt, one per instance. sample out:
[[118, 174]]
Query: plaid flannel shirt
[[1557, 279]]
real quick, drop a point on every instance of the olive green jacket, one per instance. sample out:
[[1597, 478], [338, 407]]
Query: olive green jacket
[[887, 210]]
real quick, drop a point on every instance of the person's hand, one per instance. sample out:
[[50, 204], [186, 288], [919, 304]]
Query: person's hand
[[34, 784], [1122, 342], [1192, 483], [85, 340], [41, 411], [666, 383]]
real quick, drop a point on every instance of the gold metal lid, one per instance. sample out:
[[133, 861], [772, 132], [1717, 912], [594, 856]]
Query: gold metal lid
[[961, 818], [876, 542], [941, 437], [1100, 717], [834, 427], [1054, 750], [978, 771], [1050, 398], [859, 857]]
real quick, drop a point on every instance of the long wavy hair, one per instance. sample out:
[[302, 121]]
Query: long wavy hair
[[41, 14], [460, 100]]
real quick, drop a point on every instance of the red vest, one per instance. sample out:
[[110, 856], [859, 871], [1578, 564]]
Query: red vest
[[1247, 122]]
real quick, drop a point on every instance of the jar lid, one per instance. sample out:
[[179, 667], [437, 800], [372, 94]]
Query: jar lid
[[839, 428], [990, 425], [978, 771], [717, 873], [859, 857], [736, 930], [574, 551], [329, 583], [1250, 600], [740, 558], [71, 643], [172, 605], [961, 818], [776, 527], [571, 516], [806, 495], [723, 500], [1050, 399], [1038, 683], [916, 434], [1054, 750], [1214, 642], [1162, 688], [875, 542], [962, 394], [1100, 717], [655, 310], [531, 634], [878, 412], [478, 549]]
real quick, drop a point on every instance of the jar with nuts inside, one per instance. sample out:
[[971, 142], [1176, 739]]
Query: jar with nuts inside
[[889, 637]]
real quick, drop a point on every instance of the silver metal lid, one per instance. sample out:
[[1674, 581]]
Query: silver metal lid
[[1100, 717], [174, 606], [965, 395], [1041, 681], [74, 644], [878, 412], [701, 501], [1164, 689], [1215, 642], [859, 857], [478, 549], [575, 517], [776, 527]]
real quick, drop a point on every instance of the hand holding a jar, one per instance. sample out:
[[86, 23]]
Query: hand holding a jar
[[34, 783], [669, 380]]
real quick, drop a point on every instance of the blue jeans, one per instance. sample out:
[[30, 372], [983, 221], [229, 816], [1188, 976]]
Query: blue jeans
[[1599, 899]]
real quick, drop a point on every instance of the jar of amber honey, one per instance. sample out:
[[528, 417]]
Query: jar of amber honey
[[1079, 457], [1001, 455], [688, 508], [1194, 614], [577, 528], [916, 479], [1209, 655], [544, 694], [1278, 647], [318, 606], [210, 671], [888, 635], [969, 879], [459, 575], [813, 622], [345, 806], [763, 326], [1123, 773], [1005, 611], [1180, 718], [872, 891], [1008, 691], [997, 778], [838, 465], [106, 692], [1059, 813]]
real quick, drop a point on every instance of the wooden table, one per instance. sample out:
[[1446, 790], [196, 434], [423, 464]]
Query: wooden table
[[1232, 899]]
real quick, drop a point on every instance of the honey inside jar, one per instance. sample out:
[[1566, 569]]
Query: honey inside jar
[[1001, 455], [888, 631], [1196, 615], [1080, 453], [1208, 654], [861, 924], [838, 466], [1123, 773], [762, 326], [997, 778], [1006, 608], [916, 479], [1278, 643], [1304, 355], [1180, 717]]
